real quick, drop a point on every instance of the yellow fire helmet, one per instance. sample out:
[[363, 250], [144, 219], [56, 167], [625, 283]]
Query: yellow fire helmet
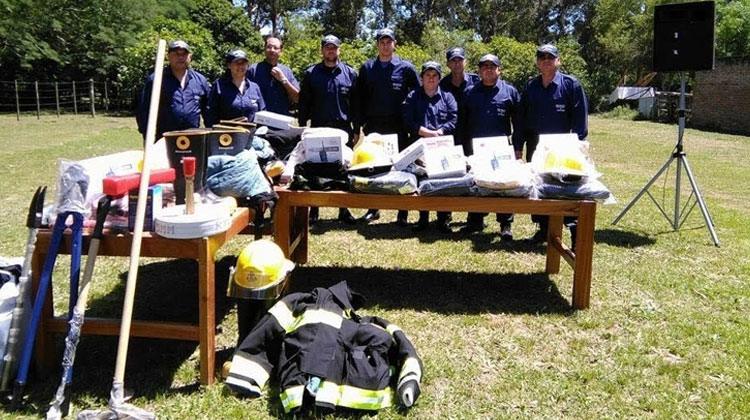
[[369, 154], [259, 264], [567, 162]]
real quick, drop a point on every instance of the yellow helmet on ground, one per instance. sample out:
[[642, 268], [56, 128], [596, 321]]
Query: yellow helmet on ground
[[259, 264]]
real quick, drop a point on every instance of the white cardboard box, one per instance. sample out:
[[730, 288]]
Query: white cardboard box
[[407, 156], [323, 147], [440, 141], [390, 144], [273, 119], [499, 145], [445, 162]]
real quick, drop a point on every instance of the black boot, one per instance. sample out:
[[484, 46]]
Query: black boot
[[346, 217], [371, 215]]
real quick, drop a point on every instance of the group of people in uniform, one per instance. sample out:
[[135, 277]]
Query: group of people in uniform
[[385, 96]]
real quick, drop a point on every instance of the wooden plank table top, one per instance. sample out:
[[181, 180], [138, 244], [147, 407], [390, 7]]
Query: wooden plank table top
[[292, 229]]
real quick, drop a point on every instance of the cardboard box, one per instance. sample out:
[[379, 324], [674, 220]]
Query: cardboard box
[[321, 147], [440, 141], [273, 119], [498, 145], [445, 162], [407, 156], [153, 207]]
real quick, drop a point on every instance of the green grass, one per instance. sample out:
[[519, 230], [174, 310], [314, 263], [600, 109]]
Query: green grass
[[667, 335]]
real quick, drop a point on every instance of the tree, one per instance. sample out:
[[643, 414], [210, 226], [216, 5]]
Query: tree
[[79, 40], [341, 17], [733, 28], [270, 12], [229, 25]]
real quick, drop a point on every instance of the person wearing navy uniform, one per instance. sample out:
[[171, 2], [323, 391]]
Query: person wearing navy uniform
[[183, 97], [458, 80], [382, 86], [490, 108], [552, 103], [277, 83], [327, 99], [430, 111], [234, 95]]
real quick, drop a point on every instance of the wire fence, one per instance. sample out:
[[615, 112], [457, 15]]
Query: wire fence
[[58, 97]]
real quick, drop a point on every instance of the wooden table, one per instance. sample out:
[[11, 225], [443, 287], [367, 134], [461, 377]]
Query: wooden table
[[201, 249], [292, 230]]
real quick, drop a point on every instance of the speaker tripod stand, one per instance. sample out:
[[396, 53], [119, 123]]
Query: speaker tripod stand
[[678, 156]]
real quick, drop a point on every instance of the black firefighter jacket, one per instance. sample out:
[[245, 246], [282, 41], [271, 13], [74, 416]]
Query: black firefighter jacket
[[320, 350]]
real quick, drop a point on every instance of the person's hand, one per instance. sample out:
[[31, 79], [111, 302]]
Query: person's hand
[[518, 155], [278, 75]]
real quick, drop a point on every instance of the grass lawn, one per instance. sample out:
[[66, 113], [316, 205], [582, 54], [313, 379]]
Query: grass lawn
[[667, 335]]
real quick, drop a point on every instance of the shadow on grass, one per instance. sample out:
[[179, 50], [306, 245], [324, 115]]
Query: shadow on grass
[[167, 291], [441, 291], [486, 241], [621, 238]]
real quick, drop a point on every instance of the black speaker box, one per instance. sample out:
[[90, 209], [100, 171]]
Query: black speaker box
[[684, 36]]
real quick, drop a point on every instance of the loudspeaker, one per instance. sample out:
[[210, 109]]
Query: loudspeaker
[[684, 36]]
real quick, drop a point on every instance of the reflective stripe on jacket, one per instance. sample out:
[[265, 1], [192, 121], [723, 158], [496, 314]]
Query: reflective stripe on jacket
[[315, 343]]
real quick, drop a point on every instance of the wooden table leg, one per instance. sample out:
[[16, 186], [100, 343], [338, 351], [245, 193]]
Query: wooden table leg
[[206, 312], [43, 344], [584, 255], [554, 229], [301, 231], [282, 225]]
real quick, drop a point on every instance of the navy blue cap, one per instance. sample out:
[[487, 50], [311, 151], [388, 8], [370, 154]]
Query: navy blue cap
[[177, 44], [236, 55], [489, 57], [455, 52], [385, 32], [547, 49], [431, 65], [330, 39]]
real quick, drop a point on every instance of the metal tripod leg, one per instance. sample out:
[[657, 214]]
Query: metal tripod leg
[[643, 190], [701, 203]]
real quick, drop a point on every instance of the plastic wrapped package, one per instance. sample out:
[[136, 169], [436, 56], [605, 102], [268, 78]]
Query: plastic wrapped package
[[509, 174], [564, 157], [447, 186], [593, 189], [524, 191], [394, 182], [72, 188]]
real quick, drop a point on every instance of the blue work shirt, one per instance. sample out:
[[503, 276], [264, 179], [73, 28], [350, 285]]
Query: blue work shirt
[[274, 93], [226, 102], [470, 79], [490, 111], [437, 112], [382, 90], [561, 107], [179, 108], [328, 95]]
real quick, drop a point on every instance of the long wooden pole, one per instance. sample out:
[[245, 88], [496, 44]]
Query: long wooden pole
[[135, 250]]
